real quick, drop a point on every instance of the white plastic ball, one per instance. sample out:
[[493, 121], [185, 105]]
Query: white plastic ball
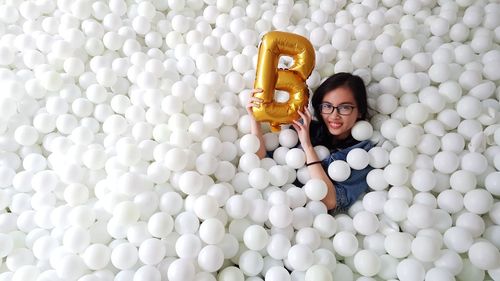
[[280, 216], [181, 269], [365, 223], [417, 113], [358, 158], [362, 130], [396, 174], [410, 269], [237, 206], [450, 201], [374, 201], [278, 175], [425, 249], [276, 273], [160, 224], [318, 272], [474, 162], [408, 136], [491, 183], [206, 207], [463, 181], [446, 162], [190, 182], [390, 127], [339, 170], [278, 246], [188, 246], [484, 255], [26, 135], [249, 143], [469, 107], [251, 262], [248, 162], [295, 158], [457, 239], [367, 263], [151, 251], [300, 257], [423, 180], [186, 222], [315, 189], [437, 273], [345, 243], [398, 245], [124, 256], [376, 180], [259, 178], [210, 258], [288, 138], [478, 201], [231, 273], [255, 237], [378, 157]]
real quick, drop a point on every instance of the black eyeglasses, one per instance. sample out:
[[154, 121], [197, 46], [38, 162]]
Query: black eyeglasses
[[342, 109]]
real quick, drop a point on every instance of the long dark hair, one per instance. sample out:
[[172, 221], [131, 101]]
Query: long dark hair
[[319, 131]]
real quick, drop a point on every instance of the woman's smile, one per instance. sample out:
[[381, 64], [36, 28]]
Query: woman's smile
[[335, 125], [340, 125]]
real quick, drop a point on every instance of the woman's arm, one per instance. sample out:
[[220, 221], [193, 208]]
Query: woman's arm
[[256, 130], [255, 126], [316, 171]]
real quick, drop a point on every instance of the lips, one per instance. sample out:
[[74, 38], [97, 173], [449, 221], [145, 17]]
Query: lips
[[335, 125]]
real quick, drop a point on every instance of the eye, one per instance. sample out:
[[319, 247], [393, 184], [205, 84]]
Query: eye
[[326, 106], [345, 107]]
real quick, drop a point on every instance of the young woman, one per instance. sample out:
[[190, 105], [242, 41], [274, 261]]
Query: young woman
[[338, 103]]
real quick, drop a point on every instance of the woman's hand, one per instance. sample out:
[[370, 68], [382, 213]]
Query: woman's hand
[[253, 102], [255, 127], [302, 128]]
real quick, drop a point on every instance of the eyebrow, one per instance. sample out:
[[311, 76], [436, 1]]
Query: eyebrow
[[344, 103]]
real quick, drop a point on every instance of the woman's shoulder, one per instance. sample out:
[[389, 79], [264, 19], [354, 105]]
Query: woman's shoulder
[[366, 145], [341, 153]]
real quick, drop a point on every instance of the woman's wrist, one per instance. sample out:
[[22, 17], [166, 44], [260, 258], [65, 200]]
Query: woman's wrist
[[313, 163], [308, 148], [305, 143], [311, 155]]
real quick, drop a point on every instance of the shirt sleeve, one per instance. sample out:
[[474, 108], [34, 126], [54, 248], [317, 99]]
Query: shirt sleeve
[[351, 189]]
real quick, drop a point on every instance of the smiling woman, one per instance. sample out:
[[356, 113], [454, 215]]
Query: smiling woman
[[338, 103]]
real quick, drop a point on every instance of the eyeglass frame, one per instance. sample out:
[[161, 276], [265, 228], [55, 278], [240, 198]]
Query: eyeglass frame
[[352, 107]]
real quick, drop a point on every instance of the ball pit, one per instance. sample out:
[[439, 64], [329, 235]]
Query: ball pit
[[126, 153]]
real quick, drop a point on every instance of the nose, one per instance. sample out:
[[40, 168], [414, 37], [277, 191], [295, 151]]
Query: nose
[[335, 114]]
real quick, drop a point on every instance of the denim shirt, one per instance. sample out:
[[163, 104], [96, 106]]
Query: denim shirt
[[350, 190]]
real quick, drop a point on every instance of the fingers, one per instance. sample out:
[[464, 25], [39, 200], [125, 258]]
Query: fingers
[[308, 113], [254, 99], [305, 117], [297, 125], [256, 90], [254, 102], [302, 115]]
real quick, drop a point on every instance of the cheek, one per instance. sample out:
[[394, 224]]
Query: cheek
[[351, 120]]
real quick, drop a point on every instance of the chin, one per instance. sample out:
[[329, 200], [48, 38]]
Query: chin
[[339, 132]]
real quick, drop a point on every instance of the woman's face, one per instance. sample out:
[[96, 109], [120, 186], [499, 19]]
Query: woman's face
[[337, 124]]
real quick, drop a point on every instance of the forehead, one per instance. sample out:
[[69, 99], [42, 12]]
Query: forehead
[[339, 96]]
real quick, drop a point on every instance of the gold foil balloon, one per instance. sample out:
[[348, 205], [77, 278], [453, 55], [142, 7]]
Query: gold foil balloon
[[292, 80]]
